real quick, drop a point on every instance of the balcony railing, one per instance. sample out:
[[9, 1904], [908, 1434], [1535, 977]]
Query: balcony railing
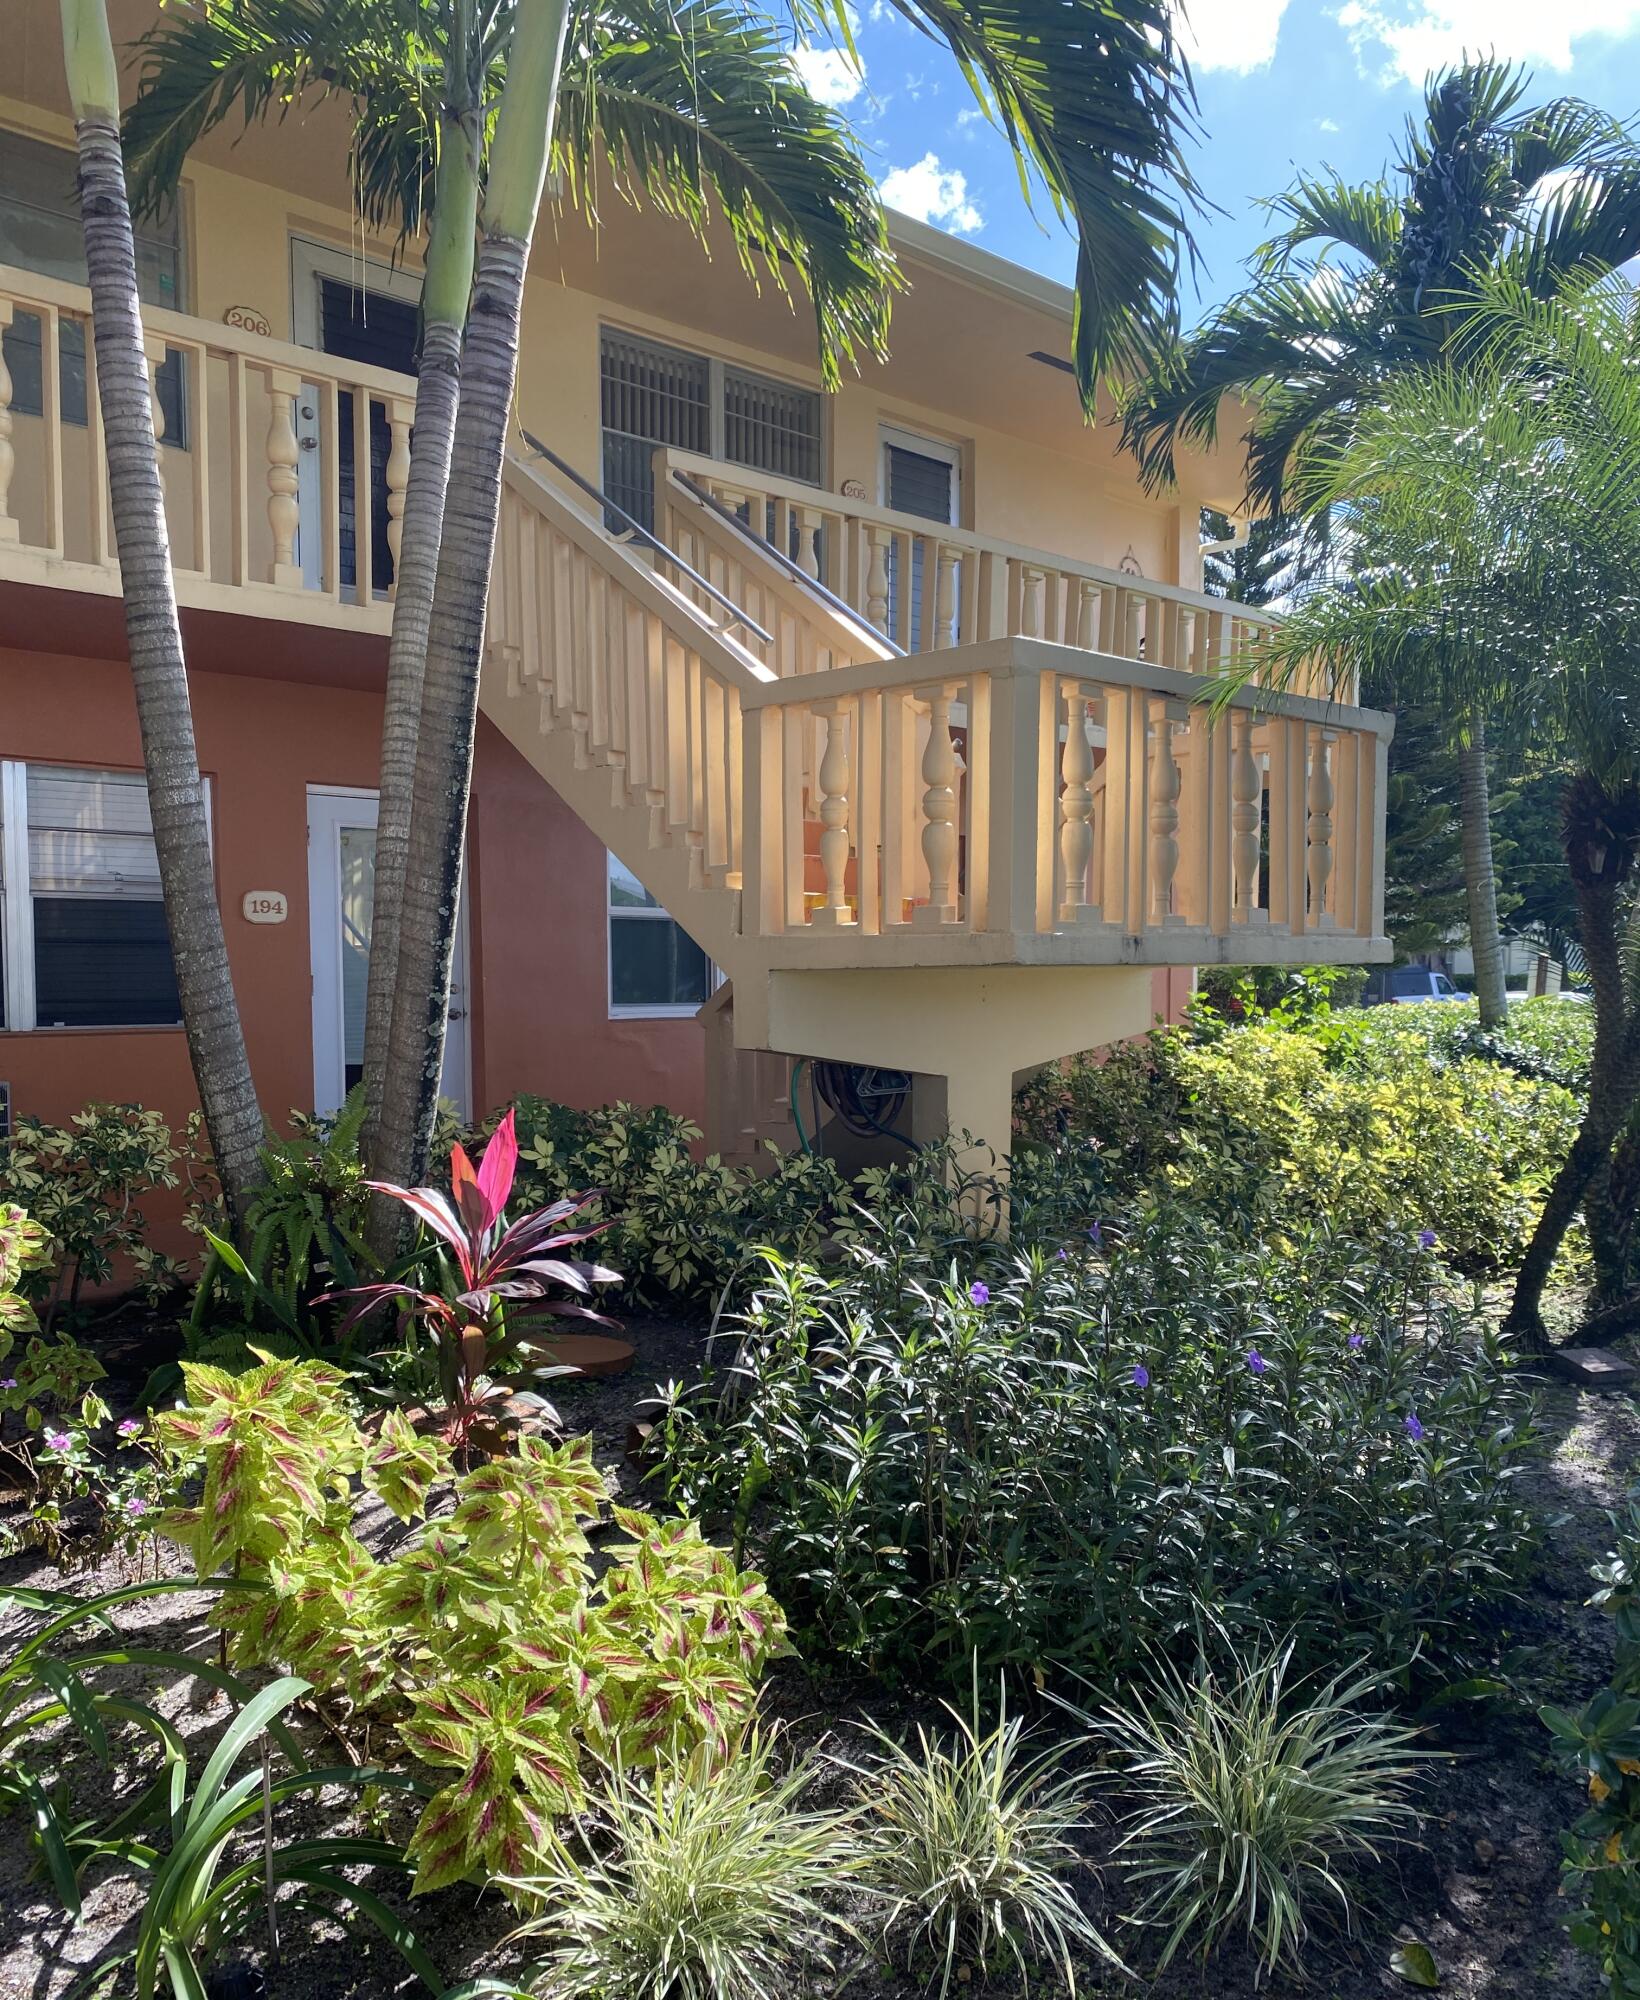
[[272, 499], [1060, 813]]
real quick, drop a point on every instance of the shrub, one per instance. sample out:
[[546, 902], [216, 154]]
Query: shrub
[[970, 1844], [1068, 1460], [1383, 1122], [486, 1644], [694, 1885], [83, 1184], [1253, 1799], [1601, 1745]]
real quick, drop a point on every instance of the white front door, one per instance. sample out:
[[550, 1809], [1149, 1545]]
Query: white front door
[[341, 887]]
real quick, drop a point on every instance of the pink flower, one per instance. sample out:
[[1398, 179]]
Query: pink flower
[[129, 1426], [136, 1505], [58, 1441]]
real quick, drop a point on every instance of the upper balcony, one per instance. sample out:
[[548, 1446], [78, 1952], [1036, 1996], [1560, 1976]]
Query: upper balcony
[[953, 751]]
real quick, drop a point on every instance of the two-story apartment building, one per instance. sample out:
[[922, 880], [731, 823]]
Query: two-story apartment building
[[952, 811]]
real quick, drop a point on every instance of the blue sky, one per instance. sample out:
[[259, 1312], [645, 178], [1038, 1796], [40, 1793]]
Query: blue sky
[[1283, 85]]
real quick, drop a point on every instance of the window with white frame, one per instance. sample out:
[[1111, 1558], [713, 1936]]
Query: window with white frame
[[83, 937], [655, 966], [651, 394]]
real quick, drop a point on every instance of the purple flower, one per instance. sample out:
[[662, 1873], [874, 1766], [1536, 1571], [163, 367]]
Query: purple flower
[[980, 1293], [1357, 1342], [1414, 1429], [8, 1382], [58, 1441], [1256, 1361], [1096, 1235], [1141, 1376], [1062, 1253], [1426, 1239], [136, 1505], [129, 1426]]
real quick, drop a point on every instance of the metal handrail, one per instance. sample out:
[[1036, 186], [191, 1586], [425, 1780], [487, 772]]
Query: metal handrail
[[649, 540], [779, 556]]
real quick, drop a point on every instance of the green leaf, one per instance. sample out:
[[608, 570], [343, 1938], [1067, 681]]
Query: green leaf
[[1415, 1963], [48, 1831], [72, 1692], [391, 1925], [272, 1701], [186, 1983]]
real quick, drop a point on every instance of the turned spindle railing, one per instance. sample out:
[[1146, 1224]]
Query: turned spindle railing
[[1021, 794], [248, 531]]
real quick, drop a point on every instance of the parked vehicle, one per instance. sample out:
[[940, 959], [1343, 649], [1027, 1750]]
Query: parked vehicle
[[1398, 984]]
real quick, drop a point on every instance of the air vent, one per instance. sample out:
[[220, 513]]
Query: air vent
[[1050, 361]]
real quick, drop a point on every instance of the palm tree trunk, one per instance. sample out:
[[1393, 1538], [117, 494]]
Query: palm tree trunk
[[445, 292], [449, 709], [216, 1043], [1614, 1071], [1479, 879]]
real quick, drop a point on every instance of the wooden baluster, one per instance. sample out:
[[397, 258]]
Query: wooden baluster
[[1246, 811], [1320, 829], [877, 540], [399, 414], [834, 786], [284, 514], [808, 542], [1087, 615], [1031, 582], [1166, 783], [1076, 807], [10, 528], [1186, 661], [154, 353], [945, 595], [939, 810]]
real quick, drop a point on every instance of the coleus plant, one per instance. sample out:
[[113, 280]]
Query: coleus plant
[[499, 1281], [487, 1646]]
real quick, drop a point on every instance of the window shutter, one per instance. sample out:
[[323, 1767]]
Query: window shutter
[[918, 484], [771, 426], [651, 395]]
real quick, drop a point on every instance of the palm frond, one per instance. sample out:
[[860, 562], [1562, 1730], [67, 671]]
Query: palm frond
[[697, 111], [1365, 218], [1096, 100]]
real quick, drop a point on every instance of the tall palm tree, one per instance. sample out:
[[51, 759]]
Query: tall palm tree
[[216, 1045], [690, 108], [1363, 285], [1095, 100], [1496, 514]]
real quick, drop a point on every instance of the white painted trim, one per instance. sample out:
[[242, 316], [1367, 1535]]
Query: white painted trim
[[683, 1010], [327, 814], [16, 901]]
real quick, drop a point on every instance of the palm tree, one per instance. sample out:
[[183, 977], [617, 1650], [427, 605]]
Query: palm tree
[[690, 108], [1495, 515], [1363, 285], [1095, 100], [216, 1045]]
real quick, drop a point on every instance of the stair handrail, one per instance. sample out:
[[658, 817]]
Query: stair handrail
[[649, 540], [784, 562]]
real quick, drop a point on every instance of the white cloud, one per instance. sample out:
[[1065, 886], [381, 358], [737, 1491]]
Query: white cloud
[[1328, 125], [1216, 35], [1413, 37], [970, 115], [932, 193], [829, 74]]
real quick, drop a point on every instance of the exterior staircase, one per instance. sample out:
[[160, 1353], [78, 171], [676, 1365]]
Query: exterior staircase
[[962, 861]]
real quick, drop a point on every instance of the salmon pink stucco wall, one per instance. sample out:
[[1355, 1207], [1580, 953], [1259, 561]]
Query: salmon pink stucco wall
[[537, 919]]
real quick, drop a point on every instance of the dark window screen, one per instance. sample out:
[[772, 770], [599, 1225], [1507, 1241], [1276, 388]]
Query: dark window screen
[[649, 395], [915, 484], [102, 964], [380, 331]]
